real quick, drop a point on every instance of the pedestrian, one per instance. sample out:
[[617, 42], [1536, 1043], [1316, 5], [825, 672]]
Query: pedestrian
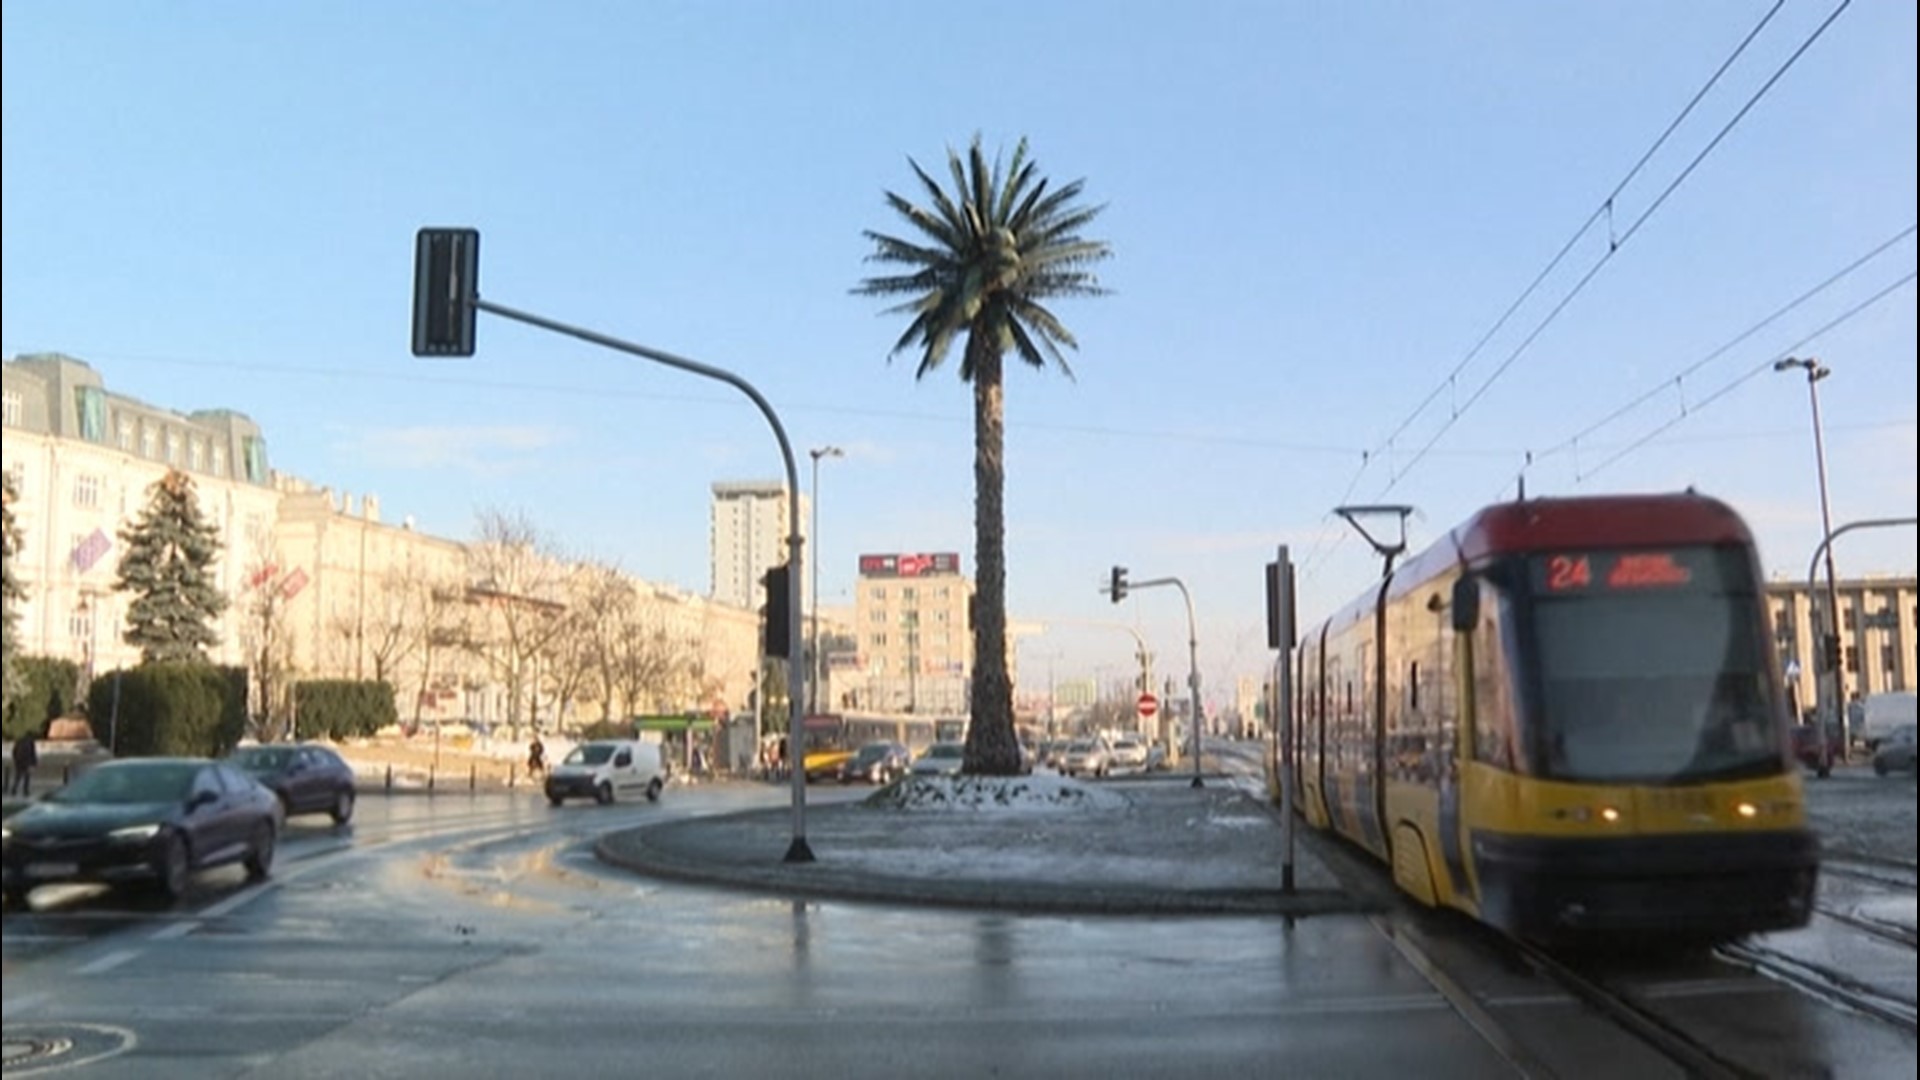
[[26, 757], [536, 758]]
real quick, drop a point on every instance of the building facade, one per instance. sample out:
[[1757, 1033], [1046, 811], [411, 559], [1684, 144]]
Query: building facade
[[1878, 646], [318, 585], [749, 525], [915, 642], [83, 459]]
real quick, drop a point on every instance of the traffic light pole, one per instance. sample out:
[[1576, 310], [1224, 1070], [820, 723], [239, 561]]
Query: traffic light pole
[[1118, 590], [797, 850]]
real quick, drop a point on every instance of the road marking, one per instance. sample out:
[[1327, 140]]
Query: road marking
[[174, 931], [238, 900], [27, 1003], [108, 962]]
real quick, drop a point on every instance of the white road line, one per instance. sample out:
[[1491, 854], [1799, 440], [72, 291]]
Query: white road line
[[174, 931], [27, 1003], [108, 962], [235, 902]]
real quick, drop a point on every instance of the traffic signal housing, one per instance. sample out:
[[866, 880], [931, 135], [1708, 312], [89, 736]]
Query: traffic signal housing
[[1118, 590], [779, 613]]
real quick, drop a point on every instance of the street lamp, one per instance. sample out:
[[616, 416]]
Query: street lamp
[[814, 529], [1830, 647]]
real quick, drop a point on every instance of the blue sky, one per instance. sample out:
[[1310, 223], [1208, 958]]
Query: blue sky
[[1316, 211]]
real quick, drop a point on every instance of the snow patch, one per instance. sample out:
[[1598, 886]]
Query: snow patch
[[1036, 794]]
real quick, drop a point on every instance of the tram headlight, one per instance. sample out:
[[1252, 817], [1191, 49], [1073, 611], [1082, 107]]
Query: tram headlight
[[1609, 815], [1746, 809]]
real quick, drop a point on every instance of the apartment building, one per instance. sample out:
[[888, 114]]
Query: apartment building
[[915, 643], [748, 536], [1878, 645]]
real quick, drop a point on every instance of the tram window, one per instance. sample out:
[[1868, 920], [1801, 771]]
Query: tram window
[[1495, 740]]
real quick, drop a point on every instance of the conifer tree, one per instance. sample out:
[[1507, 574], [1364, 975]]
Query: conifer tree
[[11, 593], [170, 550]]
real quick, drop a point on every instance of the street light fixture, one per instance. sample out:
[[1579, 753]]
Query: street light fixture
[[1829, 647], [813, 529]]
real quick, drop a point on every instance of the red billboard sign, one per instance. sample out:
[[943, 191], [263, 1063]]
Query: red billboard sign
[[909, 565]]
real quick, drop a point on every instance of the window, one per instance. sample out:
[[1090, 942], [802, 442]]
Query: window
[[15, 408], [80, 624], [878, 641], [219, 461], [197, 455], [86, 491], [254, 450], [149, 441], [173, 448], [125, 436], [90, 412]]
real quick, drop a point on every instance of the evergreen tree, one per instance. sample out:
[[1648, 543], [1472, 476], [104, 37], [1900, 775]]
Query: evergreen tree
[[11, 593], [170, 550]]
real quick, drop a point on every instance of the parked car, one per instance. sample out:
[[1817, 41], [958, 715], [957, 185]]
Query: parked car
[[308, 779], [1895, 752], [1806, 747], [143, 820], [1880, 715], [608, 770], [1086, 757], [940, 759], [876, 763]]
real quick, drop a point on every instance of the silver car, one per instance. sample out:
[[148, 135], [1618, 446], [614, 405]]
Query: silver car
[[1895, 752], [1086, 757], [940, 759]]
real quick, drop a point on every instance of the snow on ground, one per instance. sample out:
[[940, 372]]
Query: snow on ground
[[1040, 793]]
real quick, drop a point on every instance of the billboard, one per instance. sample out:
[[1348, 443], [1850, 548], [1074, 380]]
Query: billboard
[[906, 566]]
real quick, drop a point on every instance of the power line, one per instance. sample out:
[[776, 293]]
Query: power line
[[1661, 387], [1604, 209], [1615, 245], [1759, 369]]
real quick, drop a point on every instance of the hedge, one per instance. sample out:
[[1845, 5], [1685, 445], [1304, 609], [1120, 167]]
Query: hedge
[[192, 710], [51, 688], [342, 708]]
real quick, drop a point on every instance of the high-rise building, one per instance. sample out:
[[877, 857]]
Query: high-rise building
[[915, 643], [749, 536]]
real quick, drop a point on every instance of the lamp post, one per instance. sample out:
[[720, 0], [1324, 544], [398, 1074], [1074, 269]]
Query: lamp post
[[813, 529], [1830, 656]]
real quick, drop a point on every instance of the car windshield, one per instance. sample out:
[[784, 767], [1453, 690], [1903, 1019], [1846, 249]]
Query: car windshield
[[590, 754], [1081, 747], [1655, 684], [131, 782], [945, 750], [263, 758], [871, 753]]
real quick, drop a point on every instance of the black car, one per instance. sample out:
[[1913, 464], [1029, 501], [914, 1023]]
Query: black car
[[143, 819], [876, 763], [309, 779]]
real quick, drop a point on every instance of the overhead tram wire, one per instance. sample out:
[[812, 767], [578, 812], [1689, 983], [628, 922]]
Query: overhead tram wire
[[1604, 209], [1614, 247], [1664, 384], [1762, 368]]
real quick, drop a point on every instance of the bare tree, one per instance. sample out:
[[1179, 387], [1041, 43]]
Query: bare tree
[[268, 639], [517, 581], [439, 633]]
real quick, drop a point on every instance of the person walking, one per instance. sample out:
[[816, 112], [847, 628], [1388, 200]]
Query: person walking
[[26, 758], [536, 758]]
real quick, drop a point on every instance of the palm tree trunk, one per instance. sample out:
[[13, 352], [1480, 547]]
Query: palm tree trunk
[[991, 746]]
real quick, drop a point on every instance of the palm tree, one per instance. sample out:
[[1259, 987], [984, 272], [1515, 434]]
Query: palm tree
[[992, 250]]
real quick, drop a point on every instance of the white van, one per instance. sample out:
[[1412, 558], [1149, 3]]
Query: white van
[[1881, 714], [606, 770]]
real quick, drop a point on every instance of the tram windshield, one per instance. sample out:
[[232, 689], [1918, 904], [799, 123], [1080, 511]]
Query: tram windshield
[[1651, 667]]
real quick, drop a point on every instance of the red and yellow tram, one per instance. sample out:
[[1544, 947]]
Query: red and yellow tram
[[1565, 719]]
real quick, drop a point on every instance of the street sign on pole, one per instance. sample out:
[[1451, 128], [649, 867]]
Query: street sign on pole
[[446, 278], [1147, 706]]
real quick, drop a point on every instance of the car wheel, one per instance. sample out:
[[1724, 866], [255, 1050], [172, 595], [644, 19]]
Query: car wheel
[[173, 868], [1823, 772], [555, 800], [259, 861], [1879, 768], [343, 808], [653, 790], [603, 794]]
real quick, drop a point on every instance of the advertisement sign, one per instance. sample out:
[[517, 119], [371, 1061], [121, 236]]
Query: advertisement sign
[[906, 566]]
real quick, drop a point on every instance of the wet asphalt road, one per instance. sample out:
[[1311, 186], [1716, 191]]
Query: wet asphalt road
[[479, 937]]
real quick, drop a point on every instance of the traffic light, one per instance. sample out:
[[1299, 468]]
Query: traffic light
[[779, 611], [1119, 588], [446, 279]]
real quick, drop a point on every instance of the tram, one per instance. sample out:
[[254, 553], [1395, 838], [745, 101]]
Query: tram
[[1565, 719], [832, 738]]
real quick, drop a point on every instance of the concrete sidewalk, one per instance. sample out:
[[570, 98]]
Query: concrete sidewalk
[[1170, 849]]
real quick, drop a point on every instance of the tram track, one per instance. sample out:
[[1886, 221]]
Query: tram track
[[1821, 983]]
